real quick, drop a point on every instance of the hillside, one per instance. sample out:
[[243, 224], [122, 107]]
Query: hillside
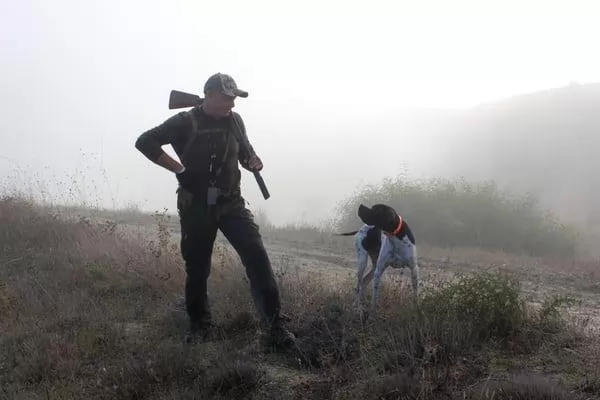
[[544, 143]]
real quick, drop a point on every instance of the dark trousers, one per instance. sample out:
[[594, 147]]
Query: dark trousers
[[199, 225]]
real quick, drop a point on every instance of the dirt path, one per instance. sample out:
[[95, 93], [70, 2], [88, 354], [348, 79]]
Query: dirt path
[[539, 281]]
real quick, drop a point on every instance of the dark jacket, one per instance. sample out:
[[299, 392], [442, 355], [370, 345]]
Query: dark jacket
[[212, 138]]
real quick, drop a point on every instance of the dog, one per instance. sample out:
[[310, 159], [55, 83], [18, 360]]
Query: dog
[[388, 241]]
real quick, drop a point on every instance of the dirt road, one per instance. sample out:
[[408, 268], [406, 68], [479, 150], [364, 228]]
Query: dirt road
[[539, 280]]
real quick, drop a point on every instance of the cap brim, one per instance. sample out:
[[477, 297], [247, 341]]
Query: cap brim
[[240, 93], [236, 93]]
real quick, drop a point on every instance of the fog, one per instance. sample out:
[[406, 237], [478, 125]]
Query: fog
[[341, 93]]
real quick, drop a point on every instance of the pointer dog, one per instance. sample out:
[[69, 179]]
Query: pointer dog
[[388, 241]]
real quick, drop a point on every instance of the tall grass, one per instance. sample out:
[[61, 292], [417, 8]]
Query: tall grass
[[457, 213], [93, 310]]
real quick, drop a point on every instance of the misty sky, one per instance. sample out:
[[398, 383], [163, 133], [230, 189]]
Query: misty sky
[[80, 80]]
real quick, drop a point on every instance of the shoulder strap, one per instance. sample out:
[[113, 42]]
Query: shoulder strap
[[240, 134], [238, 127], [191, 135]]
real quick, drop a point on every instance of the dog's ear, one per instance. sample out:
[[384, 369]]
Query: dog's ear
[[364, 213]]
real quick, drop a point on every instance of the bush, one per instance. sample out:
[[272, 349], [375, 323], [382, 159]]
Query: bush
[[446, 213], [488, 303], [410, 346]]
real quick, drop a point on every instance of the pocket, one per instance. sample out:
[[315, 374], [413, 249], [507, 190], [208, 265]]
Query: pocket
[[184, 200]]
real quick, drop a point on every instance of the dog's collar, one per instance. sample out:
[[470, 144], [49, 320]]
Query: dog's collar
[[397, 230]]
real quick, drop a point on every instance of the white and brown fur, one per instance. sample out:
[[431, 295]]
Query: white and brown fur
[[373, 241]]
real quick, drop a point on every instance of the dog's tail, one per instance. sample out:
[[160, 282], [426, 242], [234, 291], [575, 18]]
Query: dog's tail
[[346, 233]]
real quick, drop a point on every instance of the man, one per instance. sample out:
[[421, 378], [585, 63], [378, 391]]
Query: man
[[209, 198]]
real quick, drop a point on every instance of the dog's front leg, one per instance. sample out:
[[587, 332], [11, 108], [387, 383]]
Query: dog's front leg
[[361, 266], [382, 263]]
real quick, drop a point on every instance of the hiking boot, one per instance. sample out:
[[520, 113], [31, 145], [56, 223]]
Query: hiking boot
[[281, 336], [199, 332]]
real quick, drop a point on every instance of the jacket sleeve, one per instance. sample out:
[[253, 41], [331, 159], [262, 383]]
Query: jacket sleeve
[[150, 142], [244, 153]]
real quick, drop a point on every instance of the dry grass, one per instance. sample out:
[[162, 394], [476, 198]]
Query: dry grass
[[90, 310]]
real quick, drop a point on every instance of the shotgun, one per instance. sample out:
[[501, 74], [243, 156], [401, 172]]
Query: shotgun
[[178, 99]]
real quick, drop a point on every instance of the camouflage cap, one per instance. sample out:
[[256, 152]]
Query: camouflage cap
[[225, 84]]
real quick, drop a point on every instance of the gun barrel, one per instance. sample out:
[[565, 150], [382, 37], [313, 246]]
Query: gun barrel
[[262, 185]]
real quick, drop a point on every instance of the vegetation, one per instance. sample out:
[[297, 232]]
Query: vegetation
[[92, 309], [457, 213], [541, 142]]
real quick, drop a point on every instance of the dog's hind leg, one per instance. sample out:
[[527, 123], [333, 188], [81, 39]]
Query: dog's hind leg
[[414, 271], [369, 276], [414, 274]]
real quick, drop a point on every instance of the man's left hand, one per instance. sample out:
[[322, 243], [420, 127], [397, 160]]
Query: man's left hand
[[254, 163]]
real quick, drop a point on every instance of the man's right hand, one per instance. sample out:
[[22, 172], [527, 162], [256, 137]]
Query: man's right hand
[[184, 197], [183, 178]]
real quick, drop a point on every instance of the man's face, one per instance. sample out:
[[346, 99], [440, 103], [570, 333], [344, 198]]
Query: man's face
[[218, 104]]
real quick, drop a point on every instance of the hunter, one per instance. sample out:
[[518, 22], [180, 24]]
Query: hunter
[[209, 199]]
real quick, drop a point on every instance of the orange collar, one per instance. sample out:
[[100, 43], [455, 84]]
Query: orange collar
[[395, 232]]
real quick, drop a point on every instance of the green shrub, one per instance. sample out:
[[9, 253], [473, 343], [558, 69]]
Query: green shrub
[[489, 303], [459, 213]]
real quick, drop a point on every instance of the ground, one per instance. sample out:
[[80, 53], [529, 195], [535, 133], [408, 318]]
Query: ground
[[93, 309], [539, 278]]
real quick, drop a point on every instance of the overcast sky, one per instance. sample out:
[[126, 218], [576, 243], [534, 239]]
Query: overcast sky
[[80, 80]]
